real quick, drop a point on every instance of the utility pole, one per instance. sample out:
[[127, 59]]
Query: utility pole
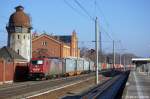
[[96, 48], [113, 54], [100, 45], [120, 59], [124, 62]]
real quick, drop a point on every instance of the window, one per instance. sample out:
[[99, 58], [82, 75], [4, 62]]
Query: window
[[44, 43], [24, 30], [18, 51], [37, 62], [18, 29], [18, 36], [29, 30]]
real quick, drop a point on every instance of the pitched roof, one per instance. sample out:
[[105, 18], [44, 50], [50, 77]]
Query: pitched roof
[[45, 35], [6, 53], [64, 38]]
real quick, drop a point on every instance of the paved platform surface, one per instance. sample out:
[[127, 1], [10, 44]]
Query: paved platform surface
[[137, 86]]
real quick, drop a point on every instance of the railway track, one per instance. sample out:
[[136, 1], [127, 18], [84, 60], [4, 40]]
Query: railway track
[[110, 89], [30, 88]]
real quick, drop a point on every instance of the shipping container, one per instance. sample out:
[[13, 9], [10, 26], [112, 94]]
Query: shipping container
[[80, 64], [108, 66], [69, 66], [92, 67], [55, 67], [104, 66], [86, 65]]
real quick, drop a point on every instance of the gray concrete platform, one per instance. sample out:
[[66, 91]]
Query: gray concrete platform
[[137, 86]]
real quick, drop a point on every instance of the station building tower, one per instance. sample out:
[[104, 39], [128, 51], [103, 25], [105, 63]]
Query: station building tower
[[19, 33]]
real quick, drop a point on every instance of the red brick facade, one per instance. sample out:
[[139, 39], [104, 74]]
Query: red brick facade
[[13, 70], [49, 46], [46, 46], [6, 71]]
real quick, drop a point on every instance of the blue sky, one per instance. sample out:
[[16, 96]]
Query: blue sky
[[125, 20]]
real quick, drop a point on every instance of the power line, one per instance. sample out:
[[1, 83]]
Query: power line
[[105, 20], [73, 8], [78, 3], [99, 8], [107, 33]]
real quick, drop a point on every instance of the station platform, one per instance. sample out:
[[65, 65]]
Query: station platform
[[137, 86]]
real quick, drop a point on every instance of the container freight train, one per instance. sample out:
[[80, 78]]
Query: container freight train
[[50, 68]]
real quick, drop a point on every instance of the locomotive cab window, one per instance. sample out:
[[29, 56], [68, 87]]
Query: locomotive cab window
[[37, 62]]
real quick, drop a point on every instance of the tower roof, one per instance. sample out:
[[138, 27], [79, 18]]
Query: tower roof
[[19, 18]]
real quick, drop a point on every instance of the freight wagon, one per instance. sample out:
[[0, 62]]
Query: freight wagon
[[80, 66], [92, 66], [69, 66]]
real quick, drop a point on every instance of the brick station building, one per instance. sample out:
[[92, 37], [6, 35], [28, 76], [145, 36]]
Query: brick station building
[[55, 46]]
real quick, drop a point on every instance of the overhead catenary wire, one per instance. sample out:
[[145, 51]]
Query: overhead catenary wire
[[104, 31], [103, 15], [73, 8], [79, 4], [105, 20]]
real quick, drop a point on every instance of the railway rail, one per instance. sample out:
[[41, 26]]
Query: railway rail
[[30, 88]]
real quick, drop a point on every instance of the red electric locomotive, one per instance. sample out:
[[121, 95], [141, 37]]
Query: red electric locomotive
[[44, 68], [38, 67]]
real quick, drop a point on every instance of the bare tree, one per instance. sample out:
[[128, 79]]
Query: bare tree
[[107, 58]]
